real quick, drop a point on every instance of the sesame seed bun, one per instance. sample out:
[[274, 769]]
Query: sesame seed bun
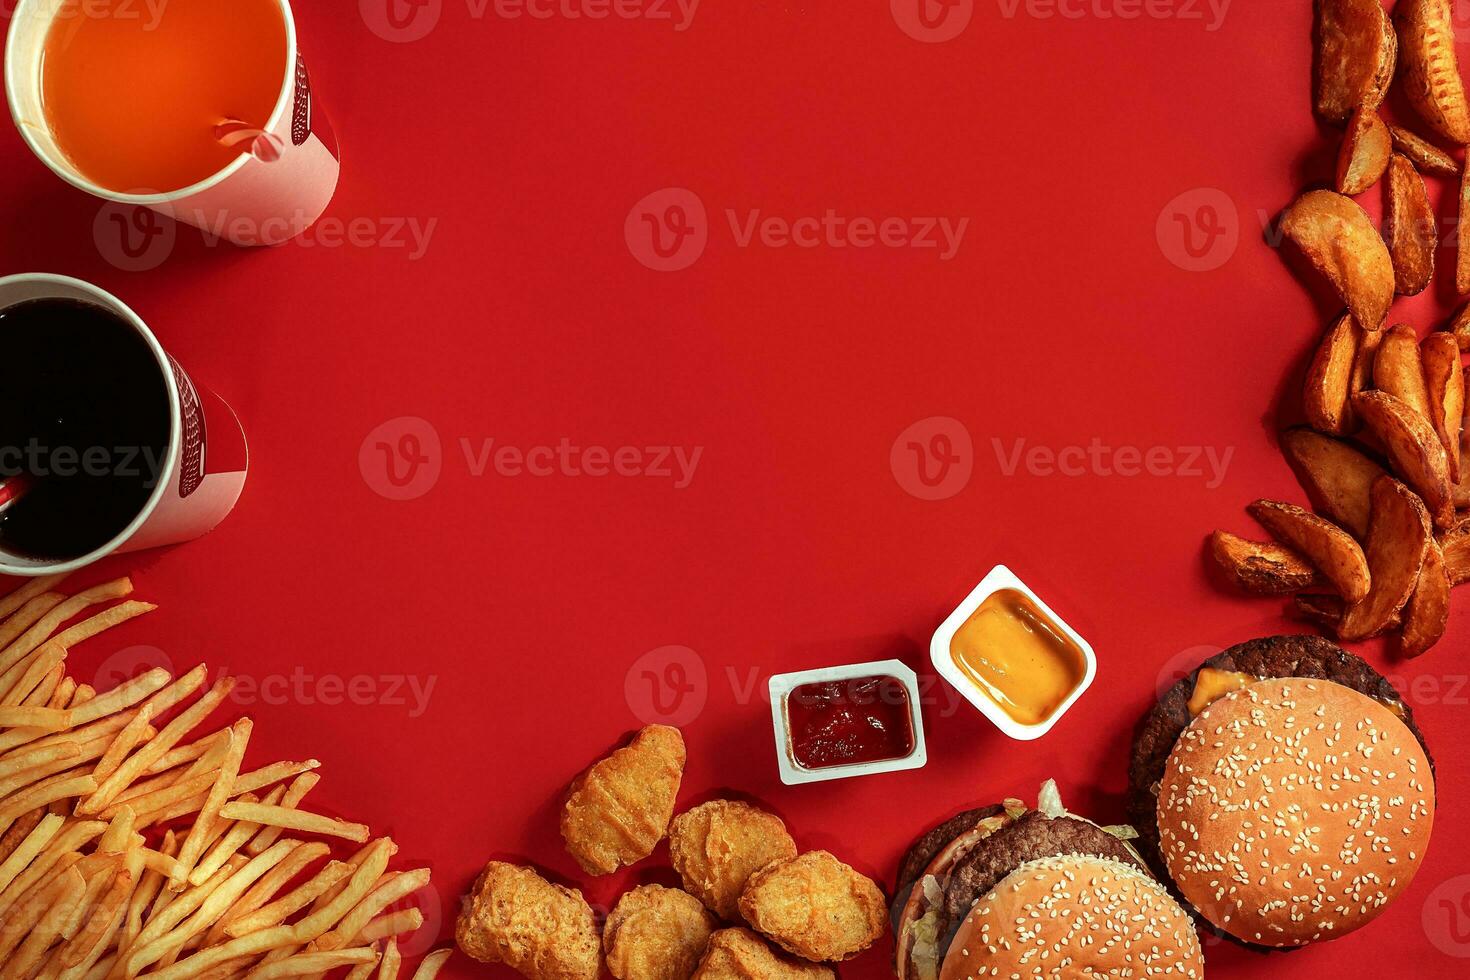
[[1294, 811], [1076, 916]]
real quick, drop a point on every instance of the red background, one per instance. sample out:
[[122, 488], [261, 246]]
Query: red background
[[528, 600]]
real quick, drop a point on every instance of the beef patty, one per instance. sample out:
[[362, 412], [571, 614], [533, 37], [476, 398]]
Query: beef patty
[[1311, 657]]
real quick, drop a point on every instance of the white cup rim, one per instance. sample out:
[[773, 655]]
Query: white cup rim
[[284, 103], [120, 309]]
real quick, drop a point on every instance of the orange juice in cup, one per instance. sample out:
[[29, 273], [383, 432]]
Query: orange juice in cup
[[199, 109]]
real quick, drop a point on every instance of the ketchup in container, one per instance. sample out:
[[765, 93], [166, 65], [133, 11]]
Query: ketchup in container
[[844, 723]]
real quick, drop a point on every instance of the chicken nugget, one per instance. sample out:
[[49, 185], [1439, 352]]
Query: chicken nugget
[[816, 907], [718, 846], [656, 933], [540, 930], [618, 811], [739, 954]]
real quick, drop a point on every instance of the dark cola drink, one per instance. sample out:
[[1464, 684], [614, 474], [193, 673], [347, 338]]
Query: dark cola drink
[[84, 427]]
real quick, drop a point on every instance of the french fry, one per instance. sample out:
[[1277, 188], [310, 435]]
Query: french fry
[[39, 923], [135, 765], [50, 719], [1366, 147], [1426, 157], [273, 914], [48, 624], [391, 962], [1445, 379], [1325, 397], [19, 831], [301, 820], [23, 677], [28, 615], [1398, 538], [295, 793], [104, 919], [62, 786], [1338, 238], [103, 621], [62, 696], [231, 840], [1330, 549], [36, 586], [127, 740], [302, 855], [121, 697], [181, 754], [209, 814], [157, 937], [62, 851], [118, 833], [35, 842], [384, 895], [389, 925], [430, 965], [307, 964], [1411, 227], [1413, 448]]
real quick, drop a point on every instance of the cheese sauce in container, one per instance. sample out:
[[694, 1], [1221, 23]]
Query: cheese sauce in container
[[1012, 657]]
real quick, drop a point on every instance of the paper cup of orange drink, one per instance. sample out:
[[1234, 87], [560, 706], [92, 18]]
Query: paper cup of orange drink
[[106, 444], [199, 109]]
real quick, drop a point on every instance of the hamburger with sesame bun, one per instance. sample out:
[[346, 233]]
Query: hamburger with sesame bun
[[960, 885], [1285, 791]]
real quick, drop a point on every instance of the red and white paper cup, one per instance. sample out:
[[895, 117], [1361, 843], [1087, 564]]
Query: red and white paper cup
[[249, 202], [204, 463]]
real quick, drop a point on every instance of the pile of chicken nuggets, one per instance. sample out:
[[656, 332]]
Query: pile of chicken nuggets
[[752, 906]]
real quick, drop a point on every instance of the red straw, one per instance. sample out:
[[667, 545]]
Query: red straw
[[13, 488]]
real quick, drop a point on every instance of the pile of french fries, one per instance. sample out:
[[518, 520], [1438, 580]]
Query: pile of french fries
[[131, 846], [1385, 457]]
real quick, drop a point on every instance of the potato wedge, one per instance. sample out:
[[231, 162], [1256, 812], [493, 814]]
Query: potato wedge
[[1398, 370], [1459, 325], [1326, 611], [1261, 567], [1455, 546], [1411, 228], [1329, 379], [1462, 228], [1427, 615], [1426, 157], [1338, 238], [1338, 479], [1363, 156], [1461, 491], [1362, 376], [1398, 537], [1429, 71], [1445, 379], [1414, 451], [1330, 549], [1355, 52]]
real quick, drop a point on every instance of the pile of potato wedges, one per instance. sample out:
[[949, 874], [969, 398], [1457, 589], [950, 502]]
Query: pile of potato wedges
[[1385, 455]]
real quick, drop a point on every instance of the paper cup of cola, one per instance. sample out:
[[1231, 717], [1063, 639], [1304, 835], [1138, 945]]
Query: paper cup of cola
[[197, 109], [106, 445]]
